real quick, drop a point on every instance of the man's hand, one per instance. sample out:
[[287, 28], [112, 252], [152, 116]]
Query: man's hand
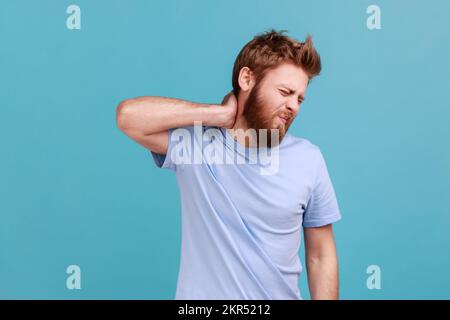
[[229, 105], [147, 119]]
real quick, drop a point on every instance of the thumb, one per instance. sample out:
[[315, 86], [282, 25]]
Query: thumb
[[225, 99]]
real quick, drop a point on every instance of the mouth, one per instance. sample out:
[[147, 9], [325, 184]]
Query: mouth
[[284, 119]]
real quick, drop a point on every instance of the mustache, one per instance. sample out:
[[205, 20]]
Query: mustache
[[289, 116], [286, 115]]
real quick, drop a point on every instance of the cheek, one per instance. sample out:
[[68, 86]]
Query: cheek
[[273, 104]]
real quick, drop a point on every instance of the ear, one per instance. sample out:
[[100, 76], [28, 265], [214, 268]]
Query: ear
[[246, 79]]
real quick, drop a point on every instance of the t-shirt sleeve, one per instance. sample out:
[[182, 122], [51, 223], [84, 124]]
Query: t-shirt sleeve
[[178, 148], [322, 207]]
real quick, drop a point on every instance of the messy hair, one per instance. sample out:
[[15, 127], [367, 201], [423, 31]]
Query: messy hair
[[270, 49]]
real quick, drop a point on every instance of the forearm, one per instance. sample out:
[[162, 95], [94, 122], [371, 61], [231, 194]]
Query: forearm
[[150, 115], [323, 278]]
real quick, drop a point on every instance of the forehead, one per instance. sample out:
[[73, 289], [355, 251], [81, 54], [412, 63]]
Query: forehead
[[288, 74]]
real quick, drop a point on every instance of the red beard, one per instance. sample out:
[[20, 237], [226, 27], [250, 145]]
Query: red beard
[[256, 119]]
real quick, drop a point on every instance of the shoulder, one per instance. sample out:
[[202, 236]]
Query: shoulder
[[300, 144]]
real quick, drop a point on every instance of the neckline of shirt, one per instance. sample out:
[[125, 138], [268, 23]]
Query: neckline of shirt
[[243, 150]]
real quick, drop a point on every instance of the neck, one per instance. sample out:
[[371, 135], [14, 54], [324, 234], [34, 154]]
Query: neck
[[241, 135], [238, 131]]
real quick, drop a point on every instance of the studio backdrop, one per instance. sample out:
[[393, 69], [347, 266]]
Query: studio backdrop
[[86, 214]]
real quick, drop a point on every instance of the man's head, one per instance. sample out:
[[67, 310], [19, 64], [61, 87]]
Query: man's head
[[271, 74]]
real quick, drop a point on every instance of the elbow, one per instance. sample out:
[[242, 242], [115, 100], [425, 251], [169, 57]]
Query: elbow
[[122, 115]]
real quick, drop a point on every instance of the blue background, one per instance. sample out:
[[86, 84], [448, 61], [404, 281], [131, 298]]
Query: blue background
[[75, 190]]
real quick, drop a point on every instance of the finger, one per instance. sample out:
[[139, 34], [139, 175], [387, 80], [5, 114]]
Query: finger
[[225, 98]]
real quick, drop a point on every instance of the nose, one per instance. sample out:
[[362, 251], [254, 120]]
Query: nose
[[293, 106]]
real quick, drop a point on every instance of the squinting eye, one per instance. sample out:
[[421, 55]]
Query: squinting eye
[[284, 93]]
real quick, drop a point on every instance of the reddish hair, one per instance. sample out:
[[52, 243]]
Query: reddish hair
[[270, 49]]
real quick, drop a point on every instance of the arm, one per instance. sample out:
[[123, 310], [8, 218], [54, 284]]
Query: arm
[[147, 119], [321, 263]]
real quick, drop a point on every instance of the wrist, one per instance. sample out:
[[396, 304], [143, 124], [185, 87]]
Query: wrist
[[216, 115]]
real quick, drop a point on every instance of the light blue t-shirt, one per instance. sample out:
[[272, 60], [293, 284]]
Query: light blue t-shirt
[[241, 225]]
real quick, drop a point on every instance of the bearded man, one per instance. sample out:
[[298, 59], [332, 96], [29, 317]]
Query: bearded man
[[241, 230]]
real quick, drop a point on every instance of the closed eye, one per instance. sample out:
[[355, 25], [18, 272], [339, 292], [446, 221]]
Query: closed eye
[[286, 93]]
